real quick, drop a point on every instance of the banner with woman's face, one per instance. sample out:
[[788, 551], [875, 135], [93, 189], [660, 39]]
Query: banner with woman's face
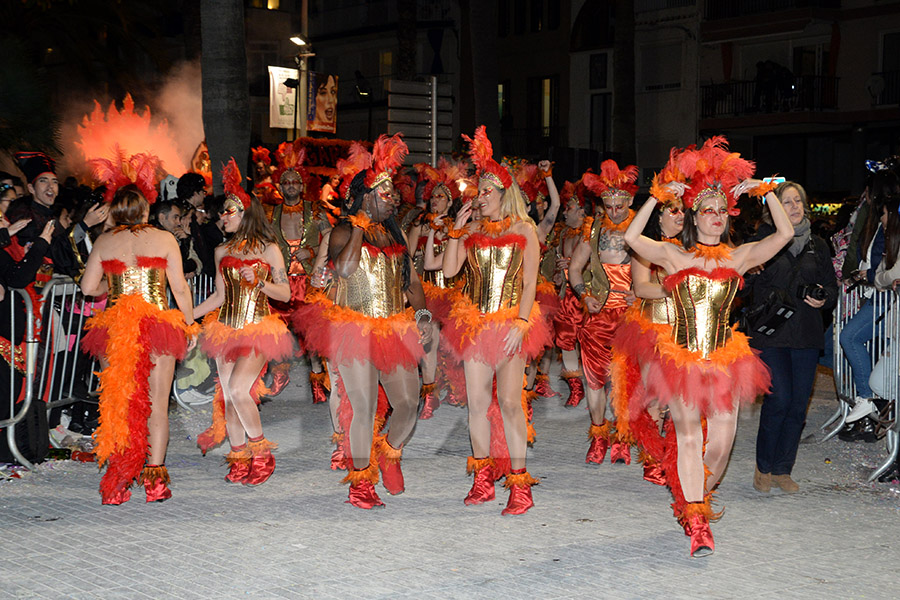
[[322, 98]]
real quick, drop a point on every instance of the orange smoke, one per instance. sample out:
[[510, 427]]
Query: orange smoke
[[99, 134]]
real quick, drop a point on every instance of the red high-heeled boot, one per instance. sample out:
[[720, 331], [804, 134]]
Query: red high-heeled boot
[[281, 377], [262, 462], [599, 437], [576, 387], [362, 488], [155, 478], [653, 472], [317, 384], [542, 386], [238, 461], [620, 452], [389, 465], [338, 459], [519, 484], [432, 402], [697, 515], [483, 487]]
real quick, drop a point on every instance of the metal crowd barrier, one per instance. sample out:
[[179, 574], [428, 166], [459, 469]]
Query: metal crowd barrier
[[29, 353], [885, 327], [202, 286]]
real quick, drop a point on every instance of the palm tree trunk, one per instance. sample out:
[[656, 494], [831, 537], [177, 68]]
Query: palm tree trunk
[[226, 92], [483, 35], [623, 126]]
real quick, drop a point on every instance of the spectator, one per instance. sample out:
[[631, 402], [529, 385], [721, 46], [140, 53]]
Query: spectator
[[803, 271]]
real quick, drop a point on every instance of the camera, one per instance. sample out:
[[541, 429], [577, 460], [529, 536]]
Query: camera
[[813, 290]]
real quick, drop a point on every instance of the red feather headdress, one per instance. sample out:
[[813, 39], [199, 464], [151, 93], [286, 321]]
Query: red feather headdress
[[267, 193], [234, 192], [482, 154], [290, 156], [358, 159], [671, 172], [712, 171], [531, 181], [388, 153], [612, 181], [261, 154], [143, 170], [573, 191], [445, 176]]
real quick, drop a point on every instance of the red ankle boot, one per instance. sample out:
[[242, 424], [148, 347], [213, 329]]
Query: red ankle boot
[[155, 479], [483, 487], [542, 386], [238, 461], [362, 488], [389, 464], [281, 377], [119, 497], [653, 473], [338, 459], [317, 384], [696, 518], [599, 436], [262, 463], [519, 483], [620, 452], [431, 401], [576, 387]]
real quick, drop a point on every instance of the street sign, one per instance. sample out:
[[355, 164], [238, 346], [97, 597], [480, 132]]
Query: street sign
[[422, 112]]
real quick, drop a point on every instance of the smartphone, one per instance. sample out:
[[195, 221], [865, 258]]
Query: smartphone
[[774, 180]]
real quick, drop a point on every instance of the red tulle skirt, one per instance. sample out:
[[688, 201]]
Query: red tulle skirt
[[269, 338], [547, 294], [733, 374], [343, 335], [481, 337], [439, 301]]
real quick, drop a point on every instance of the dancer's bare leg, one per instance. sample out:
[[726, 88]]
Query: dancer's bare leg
[[596, 400], [238, 381], [402, 389], [570, 359], [429, 361], [509, 394], [690, 449], [530, 374], [160, 387], [720, 430], [361, 383], [334, 399], [479, 383]]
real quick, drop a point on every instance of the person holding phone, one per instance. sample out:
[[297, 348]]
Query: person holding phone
[[804, 271]]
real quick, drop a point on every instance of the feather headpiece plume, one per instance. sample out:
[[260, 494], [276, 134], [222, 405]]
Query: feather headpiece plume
[[482, 154], [612, 181], [531, 181], [144, 170], [712, 171], [234, 192], [261, 154], [444, 177], [573, 191], [290, 156], [388, 153], [358, 159]]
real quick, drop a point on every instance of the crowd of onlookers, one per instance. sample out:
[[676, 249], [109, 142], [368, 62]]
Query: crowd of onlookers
[[45, 222]]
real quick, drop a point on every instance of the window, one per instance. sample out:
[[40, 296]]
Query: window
[[553, 15], [601, 110], [537, 16], [503, 18], [270, 4], [599, 71], [543, 104], [385, 66], [520, 16], [890, 51]]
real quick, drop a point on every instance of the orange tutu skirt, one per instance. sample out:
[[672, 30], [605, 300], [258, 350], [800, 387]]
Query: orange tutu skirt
[[269, 338]]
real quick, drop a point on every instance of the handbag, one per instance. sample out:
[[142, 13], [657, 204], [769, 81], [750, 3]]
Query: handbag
[[768, 316]]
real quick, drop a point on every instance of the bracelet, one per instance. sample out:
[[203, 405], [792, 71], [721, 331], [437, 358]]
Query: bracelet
[[456, 233], [547, 173], [522, 319], [360, 221], [423, 312], [260, 283], [578, 290]]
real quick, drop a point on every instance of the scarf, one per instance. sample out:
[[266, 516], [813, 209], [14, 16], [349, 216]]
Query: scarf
[[801, 237]]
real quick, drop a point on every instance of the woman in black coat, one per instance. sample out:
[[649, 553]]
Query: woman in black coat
[[800, 275]]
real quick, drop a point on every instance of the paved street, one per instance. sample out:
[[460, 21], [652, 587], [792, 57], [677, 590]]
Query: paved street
[[595, 532]]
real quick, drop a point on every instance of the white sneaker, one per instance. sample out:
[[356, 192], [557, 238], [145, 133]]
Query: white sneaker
[[863, 408], [192, 396]]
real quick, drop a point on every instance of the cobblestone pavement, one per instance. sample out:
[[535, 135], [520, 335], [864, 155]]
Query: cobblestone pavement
[[595, 532]]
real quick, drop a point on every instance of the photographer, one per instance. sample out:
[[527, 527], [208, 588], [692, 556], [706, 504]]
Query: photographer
[[800, 276]]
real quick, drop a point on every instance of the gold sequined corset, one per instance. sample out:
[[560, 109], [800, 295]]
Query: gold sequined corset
[[702, 307], [147, 278], [494, 271], [375, 288], [659, 310], [244, 302]]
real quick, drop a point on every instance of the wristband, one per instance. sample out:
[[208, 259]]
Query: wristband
[[360, 221], [456, 233], [421, 313]]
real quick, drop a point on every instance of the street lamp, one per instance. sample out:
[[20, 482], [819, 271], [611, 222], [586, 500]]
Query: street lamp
[[300, 93]]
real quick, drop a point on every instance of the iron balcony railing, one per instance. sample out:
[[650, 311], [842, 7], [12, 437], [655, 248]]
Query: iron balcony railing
[[739, 98], [729, 9]]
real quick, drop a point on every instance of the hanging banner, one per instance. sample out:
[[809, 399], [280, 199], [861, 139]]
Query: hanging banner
[[323, 99], [282, 98]]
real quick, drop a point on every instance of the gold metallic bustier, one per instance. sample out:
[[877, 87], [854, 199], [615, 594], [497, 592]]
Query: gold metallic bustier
[[244, 303], [375, 288], [659, 310], [494, 276], [702, 308], [148, 282]]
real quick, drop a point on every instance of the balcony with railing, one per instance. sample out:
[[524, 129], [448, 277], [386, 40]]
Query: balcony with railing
[[885, 88], [744, 98], [730, 9], [642, 6], [333, 18]]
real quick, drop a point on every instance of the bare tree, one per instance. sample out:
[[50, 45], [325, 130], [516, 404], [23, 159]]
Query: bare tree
[[226, 92]]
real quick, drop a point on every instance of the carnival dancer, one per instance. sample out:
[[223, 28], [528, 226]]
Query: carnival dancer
[[600, 276], [137, 338], [569, 318], [298, 223], [496, 325], [368, 333], [634, 345], [244, 335], [706, 369], [539, 190], [441, 195]]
